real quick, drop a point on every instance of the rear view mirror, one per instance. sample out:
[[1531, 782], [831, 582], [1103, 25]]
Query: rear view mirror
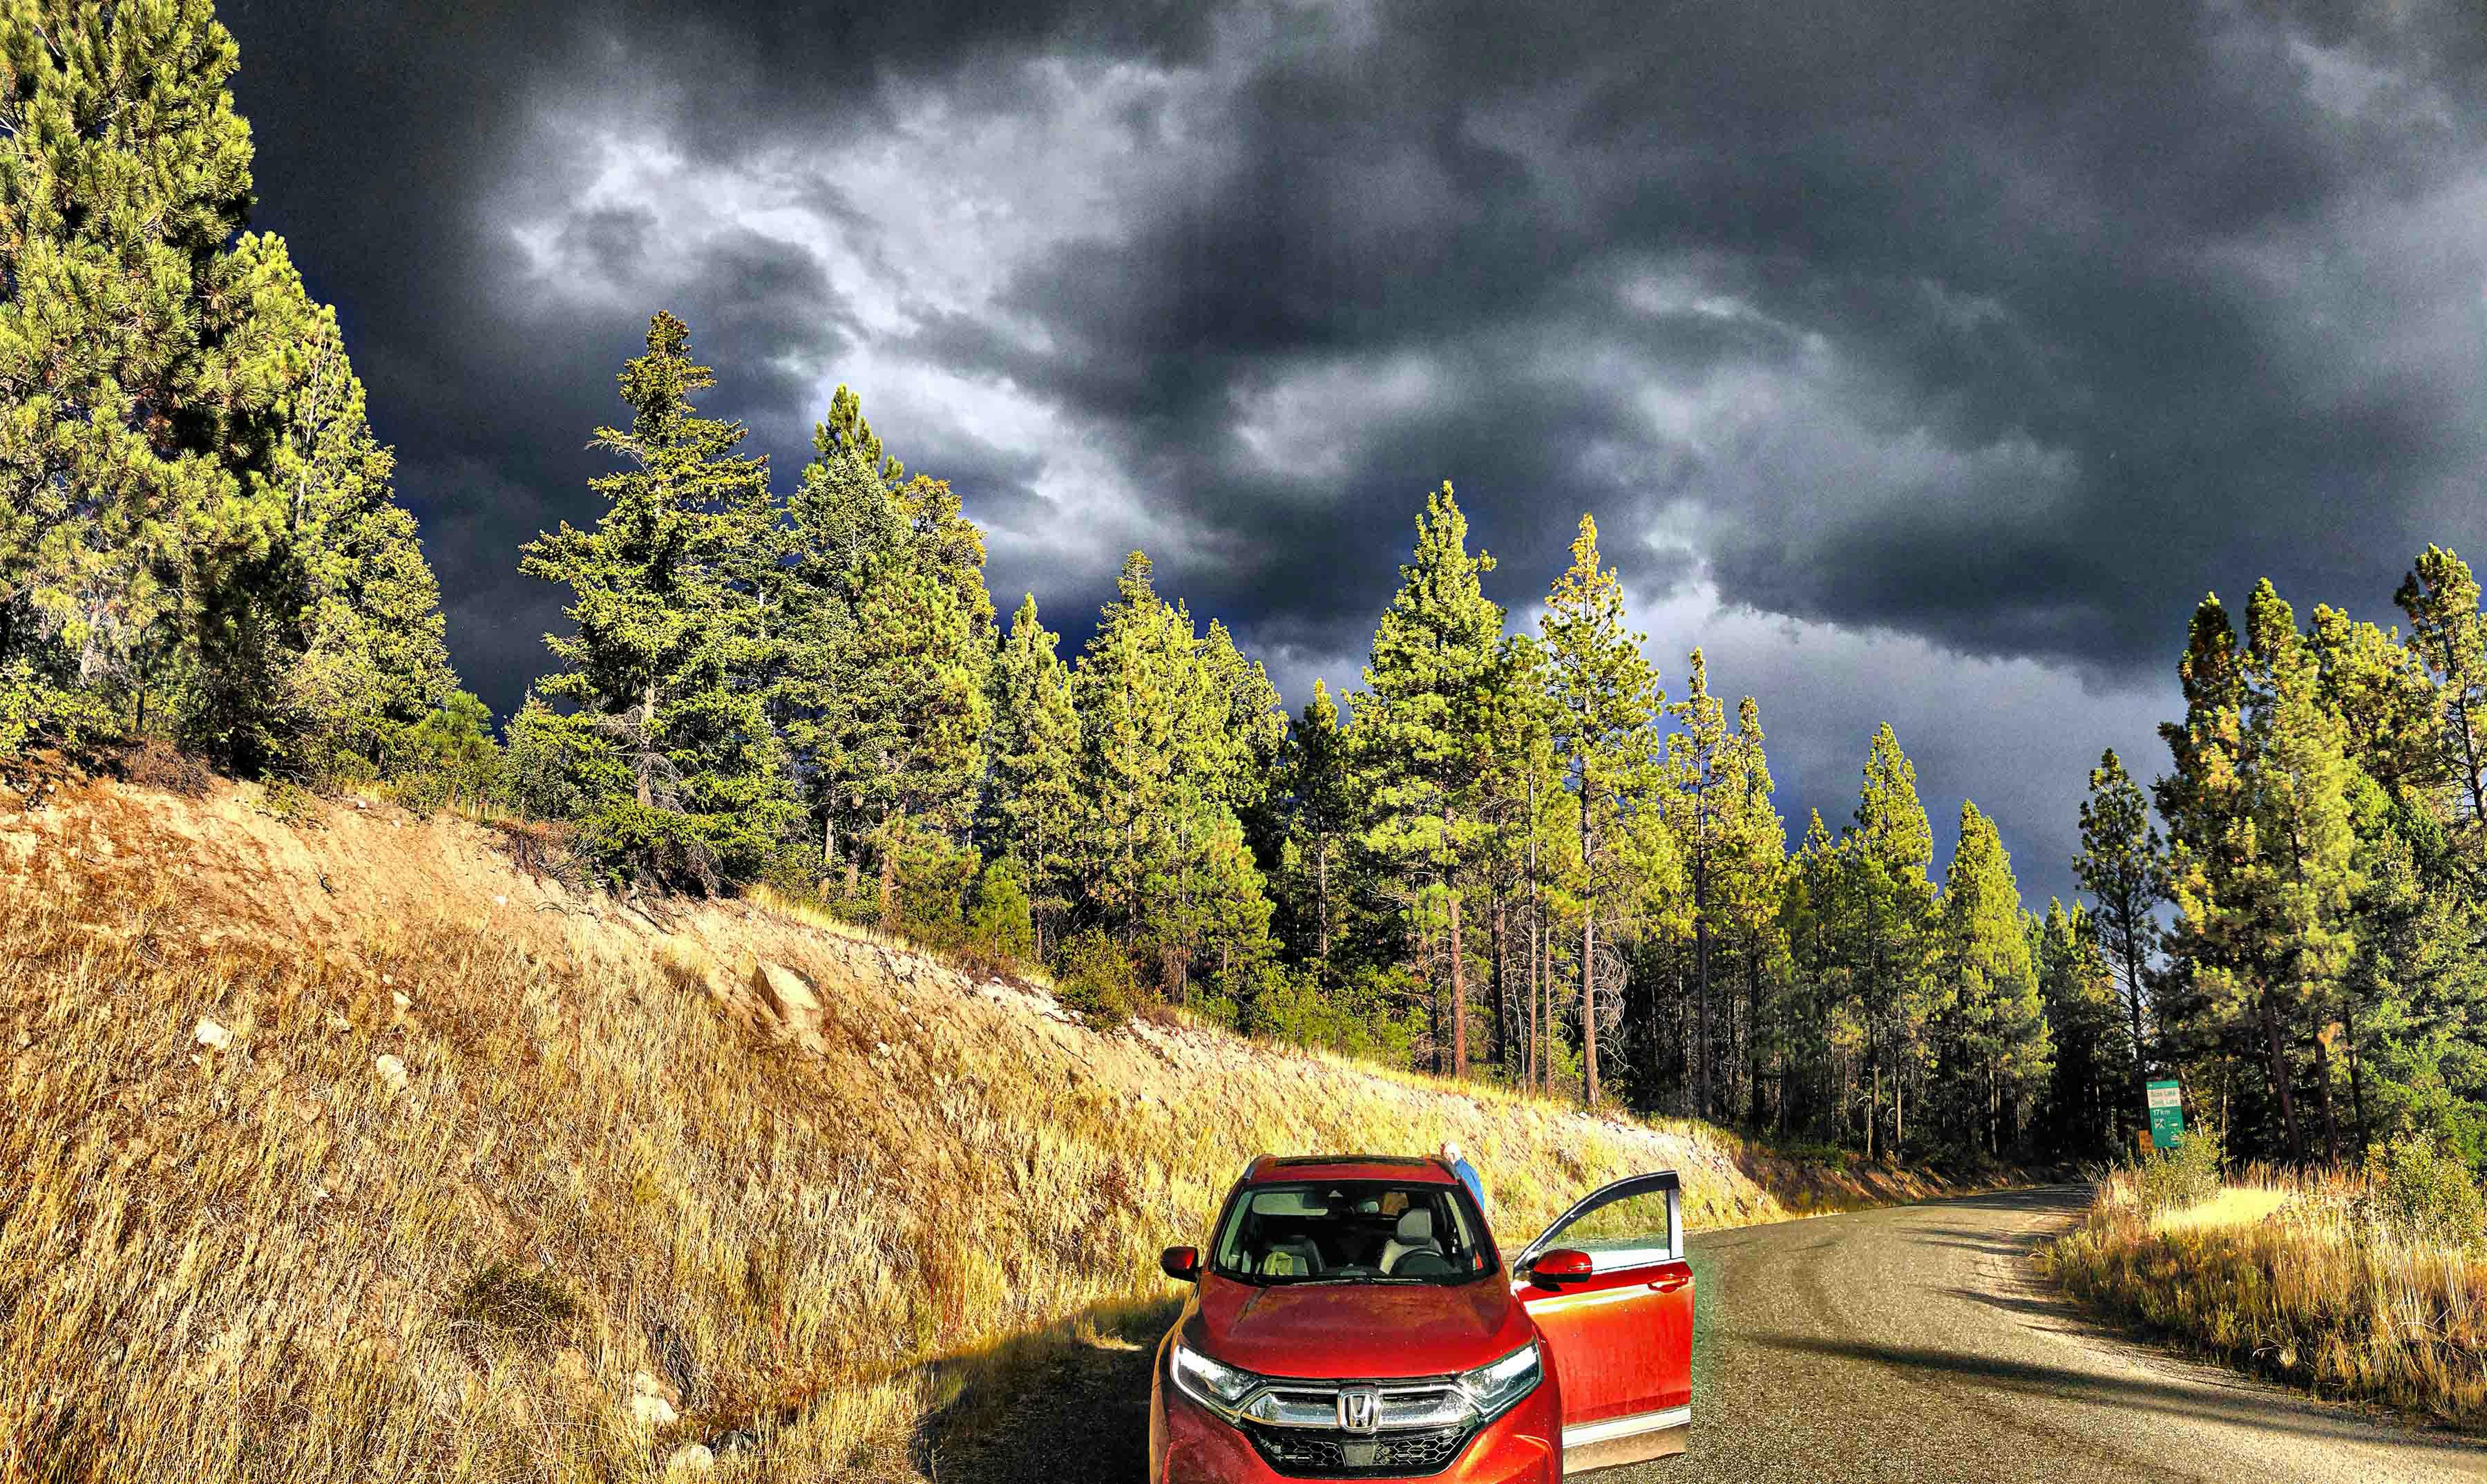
[[1180, 1264], [1563, 1265]]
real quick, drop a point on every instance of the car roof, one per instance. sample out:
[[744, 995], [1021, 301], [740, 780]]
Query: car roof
[[1415, 1169]]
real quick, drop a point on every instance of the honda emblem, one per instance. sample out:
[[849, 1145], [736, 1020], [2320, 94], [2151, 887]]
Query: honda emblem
[[1359, 1409]]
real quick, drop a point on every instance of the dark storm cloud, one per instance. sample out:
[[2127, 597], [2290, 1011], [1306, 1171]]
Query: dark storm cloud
[[2001, 331]]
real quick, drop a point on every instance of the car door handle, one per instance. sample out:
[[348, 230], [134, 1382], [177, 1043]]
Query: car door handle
[[1668, 1285]]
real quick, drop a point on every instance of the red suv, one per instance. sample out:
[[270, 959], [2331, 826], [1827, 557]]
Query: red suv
[[1354, 1320]]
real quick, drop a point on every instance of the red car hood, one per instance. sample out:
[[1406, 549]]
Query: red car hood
[[1359, 1331]]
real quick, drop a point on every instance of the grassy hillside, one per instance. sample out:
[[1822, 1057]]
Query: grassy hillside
[[343, 1144]]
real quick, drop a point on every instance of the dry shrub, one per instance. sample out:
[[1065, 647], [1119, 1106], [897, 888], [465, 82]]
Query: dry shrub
[[158, 764], [2291, 1276], [512, 1301]]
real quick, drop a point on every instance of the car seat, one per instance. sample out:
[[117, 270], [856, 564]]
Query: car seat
[[1415, 1234], [1293, 1258]]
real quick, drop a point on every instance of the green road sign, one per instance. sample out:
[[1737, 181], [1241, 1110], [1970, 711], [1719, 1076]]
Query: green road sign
[[2167, 1114]]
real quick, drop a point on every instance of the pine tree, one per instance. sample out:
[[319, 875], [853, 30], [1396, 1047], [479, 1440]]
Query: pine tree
[[1031, 791], [1730, 839], [1605, 701], [356, 644], [844, 524], [2263, 867], [2383, 695], [2441, 599], [1889, 905], [124, 176], [1994, 1027], [1323, 800], [888, 640], [195, 523], [916, 668], [1420, 733], [652, 662], [1163, 853], [2123, 865], [2087, 1083]]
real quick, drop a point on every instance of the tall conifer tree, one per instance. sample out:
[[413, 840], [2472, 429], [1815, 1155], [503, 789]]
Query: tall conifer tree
[[652, 662], [195, 523], [1890, 844], [2441, 598], [1421, 727], [1996, 1024], [1605, 701], [1730, 839], [1031, 791], [2123, 865], [1324, 808]]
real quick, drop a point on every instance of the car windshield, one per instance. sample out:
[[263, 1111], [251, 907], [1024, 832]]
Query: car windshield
[[1353, 1231]]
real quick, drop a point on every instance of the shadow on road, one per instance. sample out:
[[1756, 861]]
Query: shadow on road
[[2246, 1404], [1069, 1403]]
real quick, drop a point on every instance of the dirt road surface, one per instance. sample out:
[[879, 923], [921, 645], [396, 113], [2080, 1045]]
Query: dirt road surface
[[1907, 1344]]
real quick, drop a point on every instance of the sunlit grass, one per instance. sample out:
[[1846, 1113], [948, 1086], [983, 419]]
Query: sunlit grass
[[263, 1263], [2236, 1205], [2286, 1276]]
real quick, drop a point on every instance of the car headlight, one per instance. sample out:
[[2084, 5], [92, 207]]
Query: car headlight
[[1219, 1387], [1493, 1388]]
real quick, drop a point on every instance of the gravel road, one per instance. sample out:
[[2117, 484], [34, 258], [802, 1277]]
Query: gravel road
[[1907, 1344]]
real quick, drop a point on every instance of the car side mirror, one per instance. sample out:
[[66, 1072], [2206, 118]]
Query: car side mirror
[[1180, 1264], [1561, 1266]]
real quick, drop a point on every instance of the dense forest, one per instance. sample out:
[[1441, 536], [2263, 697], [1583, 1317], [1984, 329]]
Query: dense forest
[[1505, 854]]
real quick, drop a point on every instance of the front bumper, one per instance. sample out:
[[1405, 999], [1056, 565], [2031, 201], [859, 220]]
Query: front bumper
[[1188, 1444]]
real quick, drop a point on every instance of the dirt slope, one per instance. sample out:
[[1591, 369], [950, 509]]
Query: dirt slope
[[613, 1181]]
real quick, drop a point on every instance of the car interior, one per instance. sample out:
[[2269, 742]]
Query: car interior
[[1350, 1231]]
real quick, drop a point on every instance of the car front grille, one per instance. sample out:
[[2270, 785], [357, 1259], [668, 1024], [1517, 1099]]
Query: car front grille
[[1328, 1453]]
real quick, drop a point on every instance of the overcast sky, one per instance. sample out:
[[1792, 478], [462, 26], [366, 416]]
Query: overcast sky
[[1924, 362]]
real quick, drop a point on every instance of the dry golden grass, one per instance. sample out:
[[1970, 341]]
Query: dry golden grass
[[263, 1262], [2283, 1274]]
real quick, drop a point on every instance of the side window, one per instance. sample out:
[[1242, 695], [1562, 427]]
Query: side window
[[1630, 1223]]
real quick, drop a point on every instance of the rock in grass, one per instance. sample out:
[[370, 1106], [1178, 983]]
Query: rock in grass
[[689, 1462], [791, 998], [649, 1412], [649, 1383], [391, 1073], [213, 1036]]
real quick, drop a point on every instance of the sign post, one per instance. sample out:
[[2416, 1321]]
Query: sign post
[[2167, 1114]]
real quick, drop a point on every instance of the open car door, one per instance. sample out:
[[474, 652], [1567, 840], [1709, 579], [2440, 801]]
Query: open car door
[[1618, 1325]]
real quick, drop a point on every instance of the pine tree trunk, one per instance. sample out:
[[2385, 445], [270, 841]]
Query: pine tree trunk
[[1701, 973], [888, 872], [2357, 1088], [1459, 997], [647, 744], [2322, 1101], [2132, 1006], [2279, 1070], [1536, 948], [1756, 1114], [1533, 1047], [1321, 886], [1588, 957], [1588, 1009], [1502, 994], [1545, 1058]]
